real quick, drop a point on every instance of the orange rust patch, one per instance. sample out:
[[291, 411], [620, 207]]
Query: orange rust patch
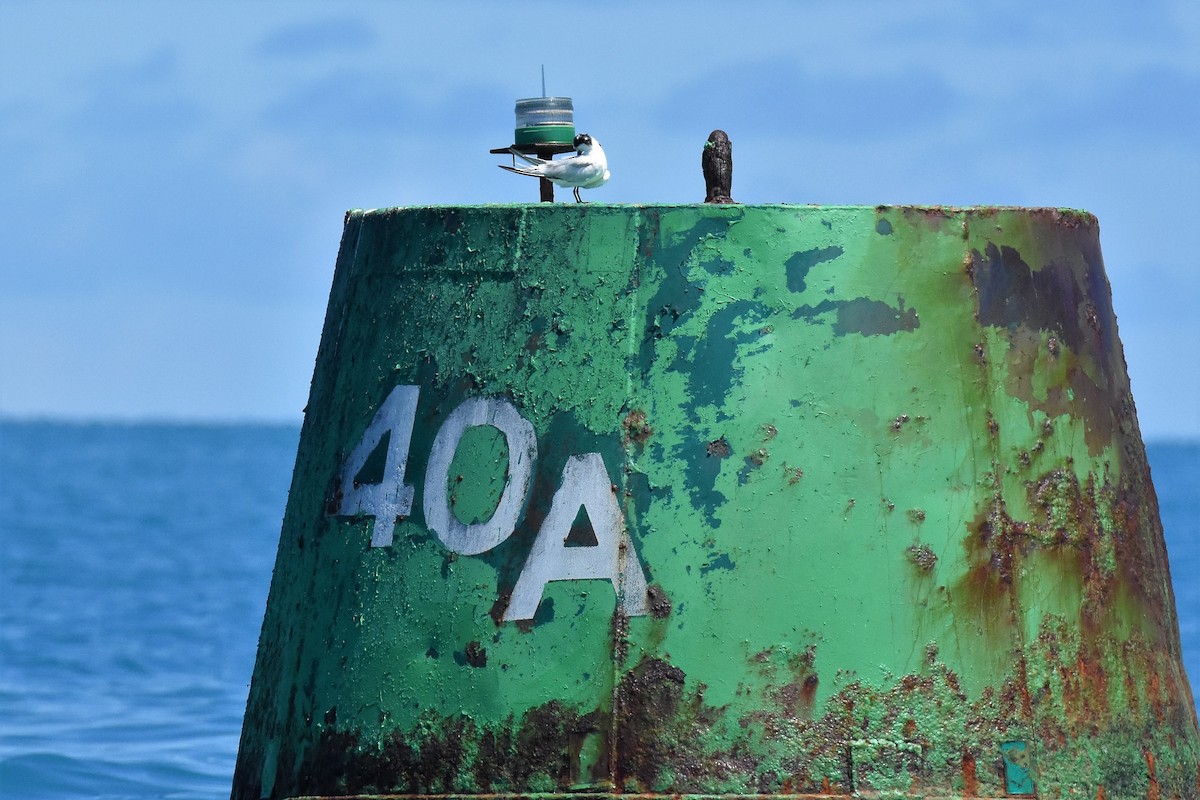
[[1152, 793], [637, 429], [970, 779]]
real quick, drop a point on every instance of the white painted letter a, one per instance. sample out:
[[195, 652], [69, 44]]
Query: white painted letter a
[[585, 482]]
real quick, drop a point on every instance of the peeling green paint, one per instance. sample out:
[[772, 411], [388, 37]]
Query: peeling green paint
[[880, 469]]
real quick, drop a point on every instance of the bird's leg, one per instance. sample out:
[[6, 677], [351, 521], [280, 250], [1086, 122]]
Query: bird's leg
[[578, 199]]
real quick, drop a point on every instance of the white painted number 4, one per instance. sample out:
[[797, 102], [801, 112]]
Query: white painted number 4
[[585, 484], [390, 498]]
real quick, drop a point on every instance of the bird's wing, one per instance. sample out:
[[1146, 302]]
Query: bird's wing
[[576, 171], [597, 181]]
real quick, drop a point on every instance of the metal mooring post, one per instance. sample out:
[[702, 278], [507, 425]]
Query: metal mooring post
[[545, 187], [717, 164]]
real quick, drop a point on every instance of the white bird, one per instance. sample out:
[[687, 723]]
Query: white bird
[[586, 170]]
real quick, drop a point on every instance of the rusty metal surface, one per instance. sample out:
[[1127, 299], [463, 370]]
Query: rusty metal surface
[[876, 515], [604, 796]]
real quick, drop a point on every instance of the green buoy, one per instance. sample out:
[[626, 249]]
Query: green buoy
[[720, 500]]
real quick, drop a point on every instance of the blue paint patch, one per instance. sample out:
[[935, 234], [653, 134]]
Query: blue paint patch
[[800, 263], [1018, 768], [704, 465], [861, 315], [718, 266], [708, 361], [722, 561]]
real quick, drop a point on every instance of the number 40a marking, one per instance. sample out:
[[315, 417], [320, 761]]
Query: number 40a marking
[[585, 483]]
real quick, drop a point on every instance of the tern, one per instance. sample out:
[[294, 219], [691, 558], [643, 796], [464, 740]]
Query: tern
[[588, 169]]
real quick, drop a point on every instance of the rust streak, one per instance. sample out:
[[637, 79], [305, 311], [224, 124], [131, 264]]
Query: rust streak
[[970, 779], [1152, 792]]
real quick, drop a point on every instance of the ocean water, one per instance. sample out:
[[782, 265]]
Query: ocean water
[[134, 567]]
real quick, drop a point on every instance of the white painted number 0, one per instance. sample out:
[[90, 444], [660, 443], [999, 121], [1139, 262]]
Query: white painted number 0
[[522, 451]]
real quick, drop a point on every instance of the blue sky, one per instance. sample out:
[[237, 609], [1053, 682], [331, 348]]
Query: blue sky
[[173, 175]]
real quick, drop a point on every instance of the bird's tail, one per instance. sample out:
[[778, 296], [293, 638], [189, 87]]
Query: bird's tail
[[520, 170], [534, 160]]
